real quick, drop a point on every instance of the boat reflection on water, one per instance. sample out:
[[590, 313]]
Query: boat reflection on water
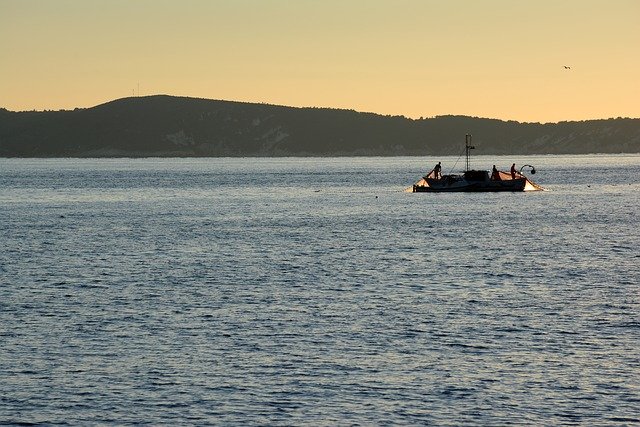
[[476, 180]]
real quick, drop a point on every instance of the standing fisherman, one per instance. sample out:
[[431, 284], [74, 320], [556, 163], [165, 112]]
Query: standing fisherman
[[436, 171]]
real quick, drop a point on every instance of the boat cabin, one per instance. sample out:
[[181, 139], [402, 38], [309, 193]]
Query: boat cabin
[[474, 175]]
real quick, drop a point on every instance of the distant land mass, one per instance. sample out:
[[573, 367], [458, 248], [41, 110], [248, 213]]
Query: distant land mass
[[162, 125]]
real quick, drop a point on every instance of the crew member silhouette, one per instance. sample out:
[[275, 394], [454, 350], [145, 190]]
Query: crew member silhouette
[[436, 171], [495, 175], [513, 171]]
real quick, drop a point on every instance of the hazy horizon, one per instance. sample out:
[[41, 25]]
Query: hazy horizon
[[493, 59]]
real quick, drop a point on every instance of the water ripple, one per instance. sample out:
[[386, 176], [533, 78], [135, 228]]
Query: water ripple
[[138, 292]]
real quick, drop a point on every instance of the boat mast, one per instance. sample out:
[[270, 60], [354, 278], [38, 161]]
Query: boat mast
[[467, 147]]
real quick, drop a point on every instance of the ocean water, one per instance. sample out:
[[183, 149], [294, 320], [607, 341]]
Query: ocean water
[[315, 291]]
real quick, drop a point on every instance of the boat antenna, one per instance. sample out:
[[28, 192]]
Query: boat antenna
[[467, 147]]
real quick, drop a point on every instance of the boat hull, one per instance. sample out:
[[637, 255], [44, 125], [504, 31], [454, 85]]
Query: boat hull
[[461, 185]]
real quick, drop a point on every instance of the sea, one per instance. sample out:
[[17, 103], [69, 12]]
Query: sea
[[316, 291]]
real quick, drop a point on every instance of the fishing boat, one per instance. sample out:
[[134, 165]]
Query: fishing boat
[[476, 180]]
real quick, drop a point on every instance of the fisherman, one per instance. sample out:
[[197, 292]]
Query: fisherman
[[513, 171], [436, 171], [495, 175]]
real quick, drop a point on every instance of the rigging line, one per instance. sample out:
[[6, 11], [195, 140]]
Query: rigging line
[[457, 160]]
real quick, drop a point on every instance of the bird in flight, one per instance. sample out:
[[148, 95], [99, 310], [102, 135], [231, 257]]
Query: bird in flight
[[566, 67]]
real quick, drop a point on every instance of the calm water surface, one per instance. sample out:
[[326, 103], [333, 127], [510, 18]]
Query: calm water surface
[[315, 291]]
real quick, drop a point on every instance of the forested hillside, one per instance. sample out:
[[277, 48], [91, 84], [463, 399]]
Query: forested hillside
[[175, 126]]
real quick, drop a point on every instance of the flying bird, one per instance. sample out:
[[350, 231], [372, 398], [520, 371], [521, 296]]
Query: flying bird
[[566, 67]]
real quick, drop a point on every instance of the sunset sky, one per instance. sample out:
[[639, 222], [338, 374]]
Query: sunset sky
[[495, 58]]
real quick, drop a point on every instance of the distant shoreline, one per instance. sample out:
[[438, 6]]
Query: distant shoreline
[[167, 126], [151, 157]]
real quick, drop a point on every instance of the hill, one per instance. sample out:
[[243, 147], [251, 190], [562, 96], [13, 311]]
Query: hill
[[176, 126]]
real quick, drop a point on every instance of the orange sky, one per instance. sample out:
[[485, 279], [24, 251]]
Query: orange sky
[[493, 58]]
